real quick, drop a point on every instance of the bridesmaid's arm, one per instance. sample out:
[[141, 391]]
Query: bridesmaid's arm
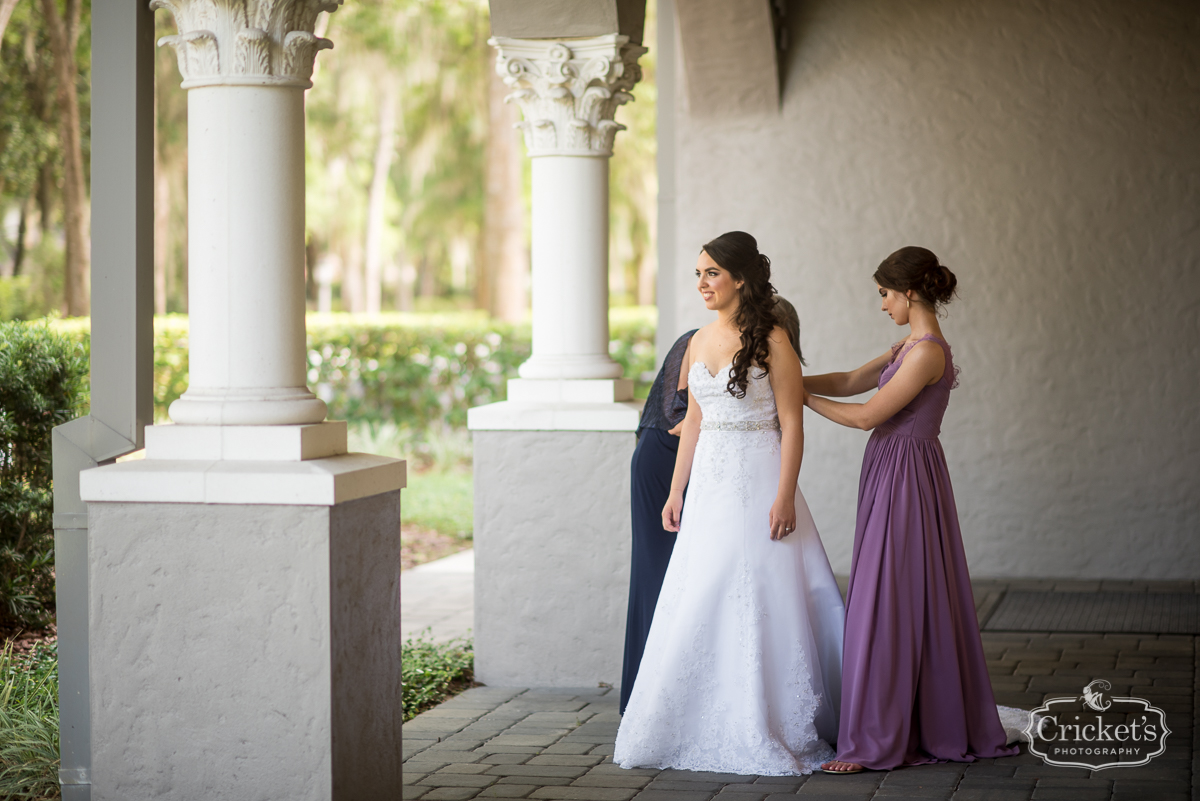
[[922, 366], [787, 382], [844, 385]]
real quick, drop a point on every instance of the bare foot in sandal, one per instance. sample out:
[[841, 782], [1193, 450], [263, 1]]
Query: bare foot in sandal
[[837, 766]]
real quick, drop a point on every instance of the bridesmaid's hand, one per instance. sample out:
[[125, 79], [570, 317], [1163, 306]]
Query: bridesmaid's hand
[[674, 432], [673, 511], [783, 517]]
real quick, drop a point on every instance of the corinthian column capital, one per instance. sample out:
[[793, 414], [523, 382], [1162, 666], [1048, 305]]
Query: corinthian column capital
[[246, 42], [569, 90]]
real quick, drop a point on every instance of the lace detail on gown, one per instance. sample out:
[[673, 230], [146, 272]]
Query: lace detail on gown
[[717, 447], [731, 678]]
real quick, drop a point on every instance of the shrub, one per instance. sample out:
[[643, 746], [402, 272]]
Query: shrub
[[29, 723], [431, 671], [42, 385], [417, 372]]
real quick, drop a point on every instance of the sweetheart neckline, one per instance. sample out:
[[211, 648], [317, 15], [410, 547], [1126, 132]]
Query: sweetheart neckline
[[710, 375]]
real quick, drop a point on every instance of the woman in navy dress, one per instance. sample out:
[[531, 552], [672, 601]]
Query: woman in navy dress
[[650, 484]]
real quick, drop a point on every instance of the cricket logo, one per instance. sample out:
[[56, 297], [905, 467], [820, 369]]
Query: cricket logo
[[1096, 730]]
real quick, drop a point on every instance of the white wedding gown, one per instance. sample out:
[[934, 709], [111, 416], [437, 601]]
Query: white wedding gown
[[742, 667]]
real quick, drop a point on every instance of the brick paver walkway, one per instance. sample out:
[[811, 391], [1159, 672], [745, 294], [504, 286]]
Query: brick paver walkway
[[557, 744]]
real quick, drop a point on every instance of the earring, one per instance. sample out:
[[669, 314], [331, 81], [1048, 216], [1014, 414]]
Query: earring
[[908, 303]]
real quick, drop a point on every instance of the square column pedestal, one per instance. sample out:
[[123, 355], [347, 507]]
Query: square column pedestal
[[552, 532], [244, 617]]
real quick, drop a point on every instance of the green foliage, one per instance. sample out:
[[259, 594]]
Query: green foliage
[[31, 155], [406, 378], [18, 300], [29, 723], [441, 500], [28, 114], [430, 671], [42, 379], [432, 59], [631, 333], [419, 372]]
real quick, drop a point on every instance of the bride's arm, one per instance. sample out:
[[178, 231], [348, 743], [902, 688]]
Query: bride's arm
[[787, 382], [689, 433]]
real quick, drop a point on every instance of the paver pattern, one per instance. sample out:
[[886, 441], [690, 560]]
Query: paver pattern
[[557, 744]]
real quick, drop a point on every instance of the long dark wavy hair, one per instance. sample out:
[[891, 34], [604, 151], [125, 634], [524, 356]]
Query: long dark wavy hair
[[737, 253]]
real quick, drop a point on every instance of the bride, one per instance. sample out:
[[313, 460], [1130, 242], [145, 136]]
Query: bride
[[742, 667]]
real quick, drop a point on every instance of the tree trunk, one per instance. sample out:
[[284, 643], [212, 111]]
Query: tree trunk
[[45, 201], [501, 277], [377, 199], [63, 34], [162, 225], [352, 278], [647, 274], [428, 279], [22, 228], [6, 10], [404, 287]]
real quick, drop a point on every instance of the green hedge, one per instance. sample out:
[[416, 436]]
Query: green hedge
[[419, 372], [42, 385], [430, 671]]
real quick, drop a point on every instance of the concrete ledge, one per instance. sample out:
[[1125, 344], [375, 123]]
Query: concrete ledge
[[565, 390], [246, 443], [316, 482], [524, 416]]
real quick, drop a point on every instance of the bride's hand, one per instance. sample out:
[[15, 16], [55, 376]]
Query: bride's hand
[[673, 511], [783, 517]]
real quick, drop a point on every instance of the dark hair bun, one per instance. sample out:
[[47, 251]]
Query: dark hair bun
[[938, 285], [918, 269]]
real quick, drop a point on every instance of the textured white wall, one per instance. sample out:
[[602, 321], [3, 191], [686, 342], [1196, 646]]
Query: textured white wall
[[1049, 153], [245, 651], [551, 556]]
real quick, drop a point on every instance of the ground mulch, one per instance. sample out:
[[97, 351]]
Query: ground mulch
[[23, 640], [420, 545]]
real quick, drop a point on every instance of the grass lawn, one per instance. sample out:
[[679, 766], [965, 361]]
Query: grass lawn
[[442, 500]]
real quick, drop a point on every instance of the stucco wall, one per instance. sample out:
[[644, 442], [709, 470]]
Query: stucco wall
[[551, 556], [245, 651], [1049, 154]]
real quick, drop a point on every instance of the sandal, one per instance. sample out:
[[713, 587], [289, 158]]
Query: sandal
[[858, 769]]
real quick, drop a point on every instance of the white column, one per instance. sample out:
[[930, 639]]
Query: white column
[[569, 92], [566, 430], [256, 534], [246, 66]]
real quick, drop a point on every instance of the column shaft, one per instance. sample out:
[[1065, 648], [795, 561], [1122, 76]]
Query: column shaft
[[570, 269], [246, 251]]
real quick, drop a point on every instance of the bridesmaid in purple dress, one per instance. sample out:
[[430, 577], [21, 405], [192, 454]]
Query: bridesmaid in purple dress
[[915, 687]]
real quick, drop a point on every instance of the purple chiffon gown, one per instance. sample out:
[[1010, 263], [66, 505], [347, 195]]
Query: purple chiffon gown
[[915, 686]]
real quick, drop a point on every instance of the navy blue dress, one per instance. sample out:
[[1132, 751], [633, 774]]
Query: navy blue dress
[[650, 484]]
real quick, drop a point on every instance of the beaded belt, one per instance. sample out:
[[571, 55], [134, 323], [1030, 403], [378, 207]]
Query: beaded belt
[[739, 425]]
